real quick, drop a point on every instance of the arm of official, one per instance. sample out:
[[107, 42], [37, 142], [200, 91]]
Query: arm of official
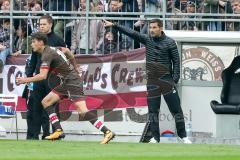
[[129, 32]]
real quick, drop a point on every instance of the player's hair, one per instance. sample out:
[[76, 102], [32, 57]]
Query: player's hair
[[158, 21], [48, 18], [40, 37]]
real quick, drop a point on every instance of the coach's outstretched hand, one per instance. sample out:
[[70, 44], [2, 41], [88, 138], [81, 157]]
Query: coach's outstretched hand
[[107, 23]]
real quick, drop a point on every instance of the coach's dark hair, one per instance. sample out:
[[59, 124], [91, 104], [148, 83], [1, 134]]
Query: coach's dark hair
[[48, 18], [40, 37], [158, 21]]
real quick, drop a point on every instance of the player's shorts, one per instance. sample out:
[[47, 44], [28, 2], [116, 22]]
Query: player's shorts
[[72, 89]]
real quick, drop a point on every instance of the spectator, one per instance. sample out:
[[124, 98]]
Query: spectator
[[128, 6], [22, 43], [171, 8], [235, 26], [79, 34], [114, 6], [235, 6], [33, 23], [18, 4], [181, 4], [140, 5], [37, 6], [149, 6], [190, 25], [125, 6], [170, 25], [4, 42], [153, 6], [27, 5], [110, 41], [5, 7], [216, 6], [98, 6], [60, 6], [23, 5]]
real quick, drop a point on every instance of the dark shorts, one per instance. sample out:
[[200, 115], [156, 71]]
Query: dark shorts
[[72, 89]]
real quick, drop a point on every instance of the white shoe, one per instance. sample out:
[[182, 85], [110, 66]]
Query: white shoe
[[186, 140], [152, 140]]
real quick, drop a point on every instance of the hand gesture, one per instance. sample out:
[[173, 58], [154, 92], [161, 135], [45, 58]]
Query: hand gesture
[[107, 23]]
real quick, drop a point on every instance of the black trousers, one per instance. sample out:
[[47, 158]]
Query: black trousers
[[30, 115], [37, 117], [173, 101]]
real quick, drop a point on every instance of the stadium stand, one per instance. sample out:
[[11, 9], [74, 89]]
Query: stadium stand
[[196, 15]]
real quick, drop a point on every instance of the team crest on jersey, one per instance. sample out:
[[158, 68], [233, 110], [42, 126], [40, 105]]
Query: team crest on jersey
[[201, 64]]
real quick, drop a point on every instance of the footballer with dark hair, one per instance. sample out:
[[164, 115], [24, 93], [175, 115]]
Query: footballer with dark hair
[[63, 64]]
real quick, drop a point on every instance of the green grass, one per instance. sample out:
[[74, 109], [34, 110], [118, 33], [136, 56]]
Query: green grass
[[72, 150]]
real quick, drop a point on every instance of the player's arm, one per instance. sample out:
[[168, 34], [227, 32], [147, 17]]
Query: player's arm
[[41, 76], [44, 69]]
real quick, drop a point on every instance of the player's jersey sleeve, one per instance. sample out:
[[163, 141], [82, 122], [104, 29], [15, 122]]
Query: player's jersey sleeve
[[46, 60]]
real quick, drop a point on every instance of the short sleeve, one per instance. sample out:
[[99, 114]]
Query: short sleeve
[[46, 61]]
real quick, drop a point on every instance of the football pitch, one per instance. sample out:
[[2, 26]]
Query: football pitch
[[78, 150]]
